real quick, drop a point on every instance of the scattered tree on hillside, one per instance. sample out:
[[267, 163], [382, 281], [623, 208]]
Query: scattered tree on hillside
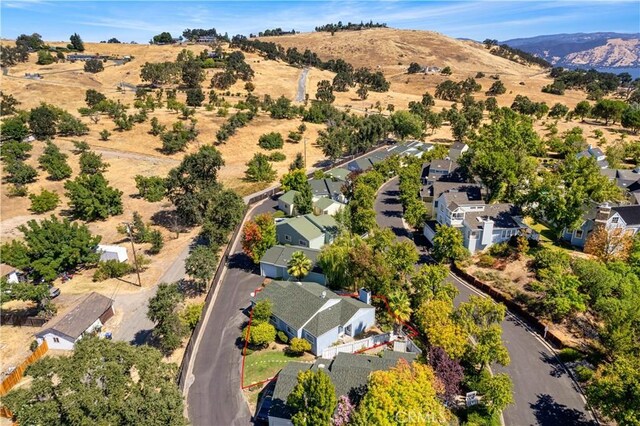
[[91, 197], [76, 43], [54, 162], [201, 265], [168, 330], [94, 66], [259, 169]]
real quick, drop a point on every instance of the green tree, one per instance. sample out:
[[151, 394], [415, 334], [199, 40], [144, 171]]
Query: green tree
[[76, 43], [93, 97], [54, 162], [497, 88], [51, 247], [14, 129], [298, 346], [260, 334], [609, 110], [168, 330], [429, 283], [271, 140], [631, 118], [193, 185], [406, 124], [91, 163], [89, 387], [582, 109], [160, 73], [262, 311], [42, 122], [192, 76], [436, 320], [45, 58], [105, 135], [222, 216], [297, 163], [195, 97], [325, 92], [294, 180], [400, 307], [497, 392], [258, 235], [44, 202], [448, 244], [259, 169], [312, 400], [91, 197], [20, 173], [94, 66], [299, 265], [303, 201], [151, 188], [191, 314], [362, 92], [562, 295], [201, 265]]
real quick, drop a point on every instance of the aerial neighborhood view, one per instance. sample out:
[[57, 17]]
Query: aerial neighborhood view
[[320, 213]]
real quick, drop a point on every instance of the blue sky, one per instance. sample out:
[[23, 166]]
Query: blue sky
[[140, 20]]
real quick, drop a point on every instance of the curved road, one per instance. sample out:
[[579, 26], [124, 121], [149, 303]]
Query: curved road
[[543, 391]]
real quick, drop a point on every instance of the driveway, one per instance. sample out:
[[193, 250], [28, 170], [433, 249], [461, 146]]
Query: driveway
[[215, 397], [544, 394], [302, 84]]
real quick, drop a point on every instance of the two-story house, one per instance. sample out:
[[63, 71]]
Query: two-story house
[[611, 217], [307, 231], [597, 154], [481, 224], [312, 312]]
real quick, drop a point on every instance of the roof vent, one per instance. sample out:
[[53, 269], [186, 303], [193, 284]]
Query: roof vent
[[324, 294], [320, 366]]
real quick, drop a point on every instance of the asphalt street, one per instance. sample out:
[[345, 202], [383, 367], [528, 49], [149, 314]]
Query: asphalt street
[[543, 391], [215, 398], [302, 84]]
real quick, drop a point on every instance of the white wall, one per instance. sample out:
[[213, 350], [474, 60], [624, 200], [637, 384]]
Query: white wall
[[62, 342]]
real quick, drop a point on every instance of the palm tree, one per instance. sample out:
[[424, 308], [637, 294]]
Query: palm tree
[[299, 265], [400, 307]]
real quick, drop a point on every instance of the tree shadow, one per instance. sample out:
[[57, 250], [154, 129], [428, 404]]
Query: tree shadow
[[141, 337], [391, 213], [549, 412], [241, 261], [557, 369], [169, 220]]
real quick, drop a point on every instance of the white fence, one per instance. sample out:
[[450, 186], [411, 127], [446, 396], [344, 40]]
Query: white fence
[[358, 345]]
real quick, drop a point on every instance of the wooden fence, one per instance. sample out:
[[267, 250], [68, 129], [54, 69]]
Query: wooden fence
[[17, 374], [21, 320]]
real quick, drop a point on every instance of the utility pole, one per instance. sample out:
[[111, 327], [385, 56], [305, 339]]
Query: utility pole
[[133, 248], [305, 153]]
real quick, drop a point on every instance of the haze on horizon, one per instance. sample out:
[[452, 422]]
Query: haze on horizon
[[140, 20]]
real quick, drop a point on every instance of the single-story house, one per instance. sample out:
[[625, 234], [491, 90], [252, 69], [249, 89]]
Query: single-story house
[[286, 202], [11, 274], [311, 311], [339, 174], [90, 315], [457, 149], [307, 231], [112, 253], [326, 206], [274, 263], [327, 188], [595, 153], [348, 372], [481, 224], [611, 217]]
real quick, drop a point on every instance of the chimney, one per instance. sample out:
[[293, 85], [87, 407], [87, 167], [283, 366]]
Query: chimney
[[487, 231], [604, 211], [364, 295]]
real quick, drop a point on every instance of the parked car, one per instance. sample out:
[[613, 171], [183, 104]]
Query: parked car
[[54, 292]]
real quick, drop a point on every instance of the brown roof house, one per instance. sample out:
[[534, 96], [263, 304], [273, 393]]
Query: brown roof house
[[90, 315]]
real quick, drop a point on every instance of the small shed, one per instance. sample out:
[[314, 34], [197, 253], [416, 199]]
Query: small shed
[[88, 316], [10, 273], [112, 253]]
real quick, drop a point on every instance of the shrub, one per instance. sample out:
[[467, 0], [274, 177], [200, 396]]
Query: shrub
[[191, 314], [260, 334], [546, 258], [277, 156], [33, 346], [569, 355], [44, 202], [282, 337], [271, 140], [299, 346], [500, 250], [486, 260], [17, 191], [104, 135], [156, 240], [111, 269], [93, 66]]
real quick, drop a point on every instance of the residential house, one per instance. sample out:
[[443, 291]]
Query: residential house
[[627, 180], [275, 262], [481, 224], [90, 315], [112, 253], [312, 312], [322, 205], [286, 202], [611, 217], [430, 193], [597, 154], [441, 171], [327, 188], [339, 174], [326, 206], [348, 372], [457, 149], [307, 231]]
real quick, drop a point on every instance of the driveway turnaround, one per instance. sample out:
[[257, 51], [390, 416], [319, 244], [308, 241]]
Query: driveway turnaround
[[543, 391], [214, 397]]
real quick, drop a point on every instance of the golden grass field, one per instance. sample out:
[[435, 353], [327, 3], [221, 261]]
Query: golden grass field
[[136, 151]]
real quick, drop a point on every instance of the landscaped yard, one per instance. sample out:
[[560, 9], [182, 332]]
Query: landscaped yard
[[264, 364]]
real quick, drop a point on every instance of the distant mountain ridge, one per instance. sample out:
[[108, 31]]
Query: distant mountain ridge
[[585, 50]]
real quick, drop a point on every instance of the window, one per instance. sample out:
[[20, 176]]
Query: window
[[56, 340], [302, 243], [287, 237], [578, 234], [614, 219], [435, 204], [458, 216]]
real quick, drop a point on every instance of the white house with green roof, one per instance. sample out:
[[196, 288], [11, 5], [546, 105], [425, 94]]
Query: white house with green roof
[[286, 202], [275, 263], [311, 311], [307, 231]]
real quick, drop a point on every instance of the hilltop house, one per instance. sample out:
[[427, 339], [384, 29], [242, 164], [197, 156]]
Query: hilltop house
[[597, 154], [310, 311], [307, 231], [90, 315], [626, 218], [348, 372], [275, 262], [481, 224]]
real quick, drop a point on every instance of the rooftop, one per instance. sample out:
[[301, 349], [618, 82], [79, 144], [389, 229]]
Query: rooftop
[[453, 200], [288, 196], [501, 214], [630, 214], [279, 255], [80, 318]]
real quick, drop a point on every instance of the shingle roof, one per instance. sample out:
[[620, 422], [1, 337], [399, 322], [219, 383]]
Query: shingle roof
[[279, 255], [630, 214], [80, 318], [324, 203], [289, 196], [326, 187], [473, 191], [302, 226], [349, 373], [453, 200], [334, 316], [339, 173], [325, 222], [501, 215]]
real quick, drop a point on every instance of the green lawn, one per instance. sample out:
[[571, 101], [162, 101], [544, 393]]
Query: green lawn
[[264, 364], [545, 233]]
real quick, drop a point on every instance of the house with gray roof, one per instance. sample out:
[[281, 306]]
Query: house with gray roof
[[481, 224], [88, 316], [457, 149], [307, 231], [595, 153], [327, 188], [349, 374], [613, 218], [311, 311], [274, 263]]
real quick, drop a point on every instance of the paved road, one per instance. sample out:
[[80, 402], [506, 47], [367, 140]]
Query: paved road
[[214, 397], [544, 393], [135, 326], [302, 83]]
